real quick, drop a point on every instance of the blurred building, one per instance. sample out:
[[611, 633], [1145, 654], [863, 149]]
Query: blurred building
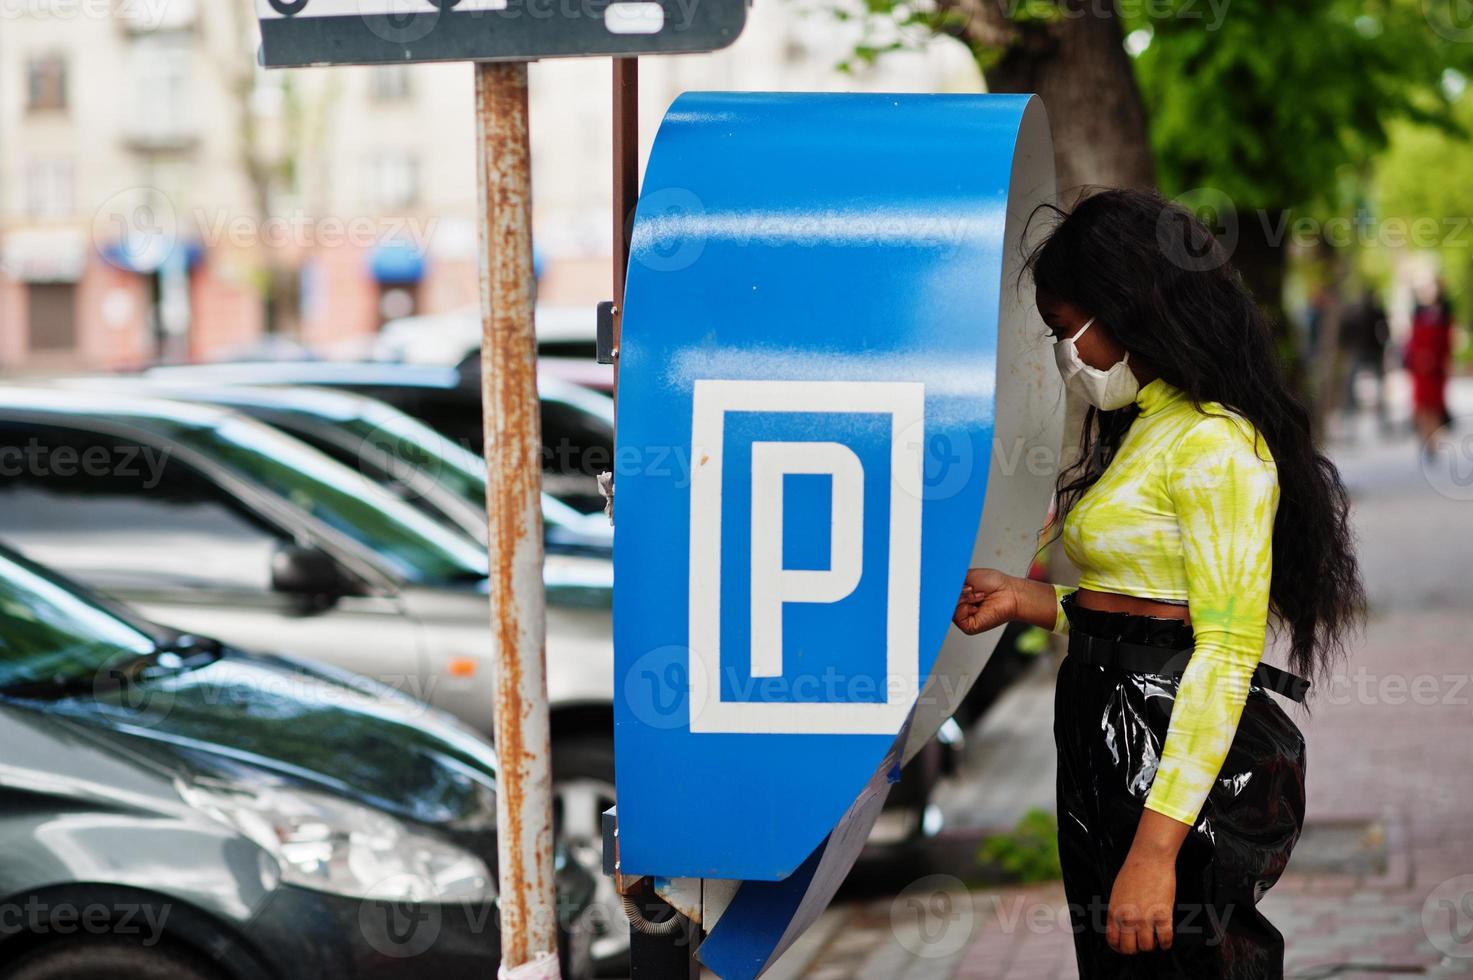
[[162, 198], [113, 126]]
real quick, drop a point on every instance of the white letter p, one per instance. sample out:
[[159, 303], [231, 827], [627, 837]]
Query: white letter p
[[772, 584]]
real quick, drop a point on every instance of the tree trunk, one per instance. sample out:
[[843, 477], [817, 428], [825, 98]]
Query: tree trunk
[[1079, 67], [1262, 258], [1321, 381]]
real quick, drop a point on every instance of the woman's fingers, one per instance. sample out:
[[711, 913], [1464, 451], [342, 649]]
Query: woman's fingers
[[968, 616], [973, 615], [1163, 929], [1129, 935], [1123, 929], [983, 602]]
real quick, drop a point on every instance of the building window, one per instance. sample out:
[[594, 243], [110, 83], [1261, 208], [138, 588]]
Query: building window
[[46, 83], [52, 316], [389, 83], [393, 181], [159, 68], [49, 186]]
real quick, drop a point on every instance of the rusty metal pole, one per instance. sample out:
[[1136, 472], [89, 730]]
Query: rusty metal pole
[[513, 445]]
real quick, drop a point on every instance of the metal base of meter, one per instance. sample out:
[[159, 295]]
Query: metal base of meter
[[663, 954]]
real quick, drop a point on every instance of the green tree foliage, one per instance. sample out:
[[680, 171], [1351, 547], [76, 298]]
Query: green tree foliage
[[1274, 102], [1275, 112], [1424, 198], [1426, 173]]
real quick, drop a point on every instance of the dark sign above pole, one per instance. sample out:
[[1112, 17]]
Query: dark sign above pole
[[360, 32]]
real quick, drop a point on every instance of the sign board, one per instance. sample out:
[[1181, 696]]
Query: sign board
[[834, 394], [337, 32]]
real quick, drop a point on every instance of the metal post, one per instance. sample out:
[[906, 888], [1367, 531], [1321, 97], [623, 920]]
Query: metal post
[[514, 515], [626, 185], [667, 951]]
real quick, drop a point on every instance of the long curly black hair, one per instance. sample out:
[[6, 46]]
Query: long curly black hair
[[1158, 278]]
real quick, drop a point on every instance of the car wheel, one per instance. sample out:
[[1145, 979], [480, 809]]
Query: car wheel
[[582, 789], [107, 959]]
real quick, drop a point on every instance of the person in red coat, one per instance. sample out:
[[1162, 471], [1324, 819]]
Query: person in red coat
[[1426, 356]]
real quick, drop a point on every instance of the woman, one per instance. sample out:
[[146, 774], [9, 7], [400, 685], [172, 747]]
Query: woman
[[1426, 357], [1198, 506]]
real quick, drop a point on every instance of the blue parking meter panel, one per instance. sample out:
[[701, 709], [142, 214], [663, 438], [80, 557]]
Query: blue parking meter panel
[[821, 295]]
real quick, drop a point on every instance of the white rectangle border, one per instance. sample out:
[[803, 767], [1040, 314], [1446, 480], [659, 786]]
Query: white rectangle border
[[905, 403]]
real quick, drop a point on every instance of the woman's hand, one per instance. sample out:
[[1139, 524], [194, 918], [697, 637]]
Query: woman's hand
[[1139, 918], [989, 598]]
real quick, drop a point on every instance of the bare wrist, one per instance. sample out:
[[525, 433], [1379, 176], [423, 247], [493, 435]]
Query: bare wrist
[[1158, 837], [1038, 604]]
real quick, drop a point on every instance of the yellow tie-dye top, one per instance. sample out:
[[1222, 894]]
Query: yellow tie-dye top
[[1185, 510]]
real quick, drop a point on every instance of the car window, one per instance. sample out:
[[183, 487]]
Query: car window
[[48, 632], [452, 412], [576, 448], [420, 549], [119, 513], [416, 448], [577, 444], [389, 464]]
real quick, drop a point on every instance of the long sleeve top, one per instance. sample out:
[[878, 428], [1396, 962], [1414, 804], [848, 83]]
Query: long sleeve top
[[1185, 510]]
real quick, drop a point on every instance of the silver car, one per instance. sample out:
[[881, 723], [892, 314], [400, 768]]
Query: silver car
[[208, 519]]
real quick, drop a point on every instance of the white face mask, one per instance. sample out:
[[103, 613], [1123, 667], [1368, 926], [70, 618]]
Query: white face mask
[[1105, 390]]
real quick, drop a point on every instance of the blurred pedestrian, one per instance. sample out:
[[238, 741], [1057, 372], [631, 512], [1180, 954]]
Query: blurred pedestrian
[[1426, 355], [1320, 303], [1364, 334], [1180, 779]]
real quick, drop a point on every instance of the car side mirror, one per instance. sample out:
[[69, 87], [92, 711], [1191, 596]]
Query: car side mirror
[[307, 573]]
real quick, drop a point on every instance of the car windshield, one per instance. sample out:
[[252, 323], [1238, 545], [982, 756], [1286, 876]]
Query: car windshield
[[419, 549], [49, 633], [414, 444]]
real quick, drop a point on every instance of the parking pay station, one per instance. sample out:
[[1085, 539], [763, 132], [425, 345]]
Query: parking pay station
[[835, 396]]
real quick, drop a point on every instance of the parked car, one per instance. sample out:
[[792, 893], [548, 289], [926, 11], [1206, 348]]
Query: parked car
[[210, 520], [585, 372], [444, 481], [447, 338], [207, 518], [180, 809], [577, 424]]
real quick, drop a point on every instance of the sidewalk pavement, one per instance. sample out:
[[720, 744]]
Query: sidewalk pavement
[[1381, 882]]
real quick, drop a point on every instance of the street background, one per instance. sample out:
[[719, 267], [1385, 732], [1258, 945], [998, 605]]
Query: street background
[[165, 202]]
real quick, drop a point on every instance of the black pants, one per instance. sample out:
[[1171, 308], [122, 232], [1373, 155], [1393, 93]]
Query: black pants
[[1109, 726]]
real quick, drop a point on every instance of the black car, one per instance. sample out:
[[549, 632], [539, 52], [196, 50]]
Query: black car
[[577, 424], [179, 809], [389, 447]]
